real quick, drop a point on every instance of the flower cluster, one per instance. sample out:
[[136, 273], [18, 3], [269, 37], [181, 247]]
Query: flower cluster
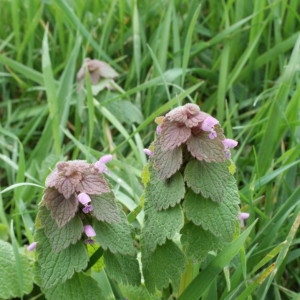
[[188, 127], [70, 188]]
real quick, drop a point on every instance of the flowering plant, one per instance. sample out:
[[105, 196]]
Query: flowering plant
[[190, 201]]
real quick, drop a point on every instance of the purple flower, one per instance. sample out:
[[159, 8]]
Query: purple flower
[[229, 143], [158, 129], [101, 163], [243, 216], [89, 231], [84, 198], [32, 246], [88, 208], [148, 152], [208, 125]]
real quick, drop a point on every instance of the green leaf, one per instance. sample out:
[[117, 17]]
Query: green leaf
[[166, 163], [163, 266], [115, 236], [160, 226], [197, 242], [80, 286], [164, 193], [105, 207], [205, 149], [137, 292], [10, 269], [60, 237], [220, 219], [58, 267], [62, 210], [203, 280], [122, 268], [125, 111], [209, 179]]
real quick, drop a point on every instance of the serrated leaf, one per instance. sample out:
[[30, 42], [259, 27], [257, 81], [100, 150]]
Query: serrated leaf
[[92, 183], [160, 226], [205, 149], [58, 267], [115, 236], [122, 268], [137, 292], [62, 210], [173, 134], [197, 242], [80, 286], [219, 218], [166, 163], [105, 207], [209, 179], [16, 276], [164, 265], [60, 237], [164, 193]]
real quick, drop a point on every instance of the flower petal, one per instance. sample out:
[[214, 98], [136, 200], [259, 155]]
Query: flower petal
[[89, 231], [84, 198]]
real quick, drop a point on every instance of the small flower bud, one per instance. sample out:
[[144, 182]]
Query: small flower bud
[[84, 198], [89, 231], [101, 163], [229, 143], [32, 246], [148, 152], [209, 123], [87, 209]]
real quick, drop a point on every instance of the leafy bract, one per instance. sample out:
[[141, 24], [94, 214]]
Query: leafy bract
[[105, 207], [166, 163], [165, 193], [173, 134], [60, 237], [197, 242], [160, 226], [164, 265], [205, 149], [16, 276], [115, 236], [209, 179], [58, 267], [219, 218], [62, 210], [92, 183], [137, 292], [80, 286], [123, 268]]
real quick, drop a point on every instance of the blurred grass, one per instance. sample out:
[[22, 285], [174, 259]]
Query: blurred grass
[[238, 60]]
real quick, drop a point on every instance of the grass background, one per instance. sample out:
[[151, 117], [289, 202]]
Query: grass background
[[238, 60]]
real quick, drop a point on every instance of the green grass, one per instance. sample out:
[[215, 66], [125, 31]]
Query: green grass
[[238, 60]]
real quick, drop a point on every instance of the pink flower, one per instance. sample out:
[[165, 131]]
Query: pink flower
[[101, 163], [84, 198], [32, 246], [229, 143], [89, 231], [208, 125], [148, 152], [88, 208], [243, 216]]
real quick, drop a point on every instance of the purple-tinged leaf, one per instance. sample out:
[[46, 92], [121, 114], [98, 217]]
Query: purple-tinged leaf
[[202, 147], [173, 134], [92, 182], [105, 207], [166, 163], [62, 209]]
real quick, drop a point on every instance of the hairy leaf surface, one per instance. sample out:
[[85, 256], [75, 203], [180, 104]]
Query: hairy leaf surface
[[123, 268], [164, 265], [105, 207], [209, 179], [60, 237], [58, 267], [160, 226], [62, 210], [219, 218], [164, 193]]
